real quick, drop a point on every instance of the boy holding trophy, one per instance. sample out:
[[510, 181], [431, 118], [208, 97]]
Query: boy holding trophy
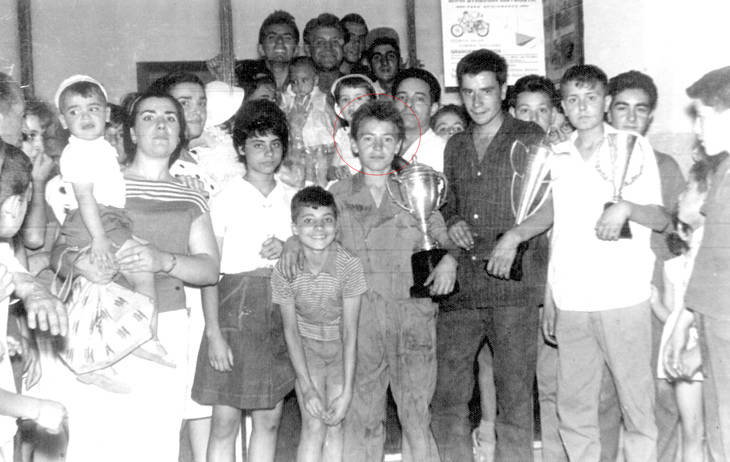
[[605, 188]]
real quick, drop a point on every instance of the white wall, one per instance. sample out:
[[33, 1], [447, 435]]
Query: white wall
[[674, 42], [9, 60]]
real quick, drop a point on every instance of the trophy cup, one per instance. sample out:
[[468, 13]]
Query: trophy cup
[[423, 189], [616, 169], [529, 189]]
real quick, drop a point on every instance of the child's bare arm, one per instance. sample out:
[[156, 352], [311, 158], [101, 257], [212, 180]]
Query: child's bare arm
[[34, 227], [219, 352], [48, 414], [350, 315], [312, 401], [101, 246]]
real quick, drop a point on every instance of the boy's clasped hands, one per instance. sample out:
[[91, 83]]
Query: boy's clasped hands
[[331, 414]]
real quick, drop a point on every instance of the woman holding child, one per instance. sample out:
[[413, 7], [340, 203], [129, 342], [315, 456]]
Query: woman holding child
[[180, 248]]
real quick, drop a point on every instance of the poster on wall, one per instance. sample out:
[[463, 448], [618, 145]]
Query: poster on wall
[[512, 28], [563, 35]]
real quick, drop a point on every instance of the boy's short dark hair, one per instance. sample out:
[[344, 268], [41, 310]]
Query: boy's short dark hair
[[278, 17], [434, 88], [355, 19], [314, 197], [533, 84], [323, 20], [10, 93], [382, 110], [15, 169], [250, 86], [459, 111], [713, 89], [634, 80], [260, 117], [482, 60], [165, 83], [85, 89], [302, 61], [584, 74]]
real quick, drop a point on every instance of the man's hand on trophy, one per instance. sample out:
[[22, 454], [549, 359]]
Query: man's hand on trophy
[[500, 260], [608, 227], [443, 277], [460, 233]]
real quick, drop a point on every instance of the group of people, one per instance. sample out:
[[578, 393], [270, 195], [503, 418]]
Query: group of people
[[277, 261]]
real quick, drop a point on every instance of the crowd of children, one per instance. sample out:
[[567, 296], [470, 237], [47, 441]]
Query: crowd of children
[[627, 337]]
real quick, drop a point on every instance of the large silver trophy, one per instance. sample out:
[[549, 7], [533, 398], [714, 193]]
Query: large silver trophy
[[621, 168], [529, 189], [420, 190]]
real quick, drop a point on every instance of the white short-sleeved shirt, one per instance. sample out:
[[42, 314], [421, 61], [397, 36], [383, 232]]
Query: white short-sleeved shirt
[[430, 151], [343, 154], [95, 162], [585, 273], [243, 219]]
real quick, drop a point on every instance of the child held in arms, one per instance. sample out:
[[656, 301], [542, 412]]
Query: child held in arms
[[89, 163]]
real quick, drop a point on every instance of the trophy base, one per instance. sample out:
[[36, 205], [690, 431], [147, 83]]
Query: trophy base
[[422, 264], [515, 272], [625, 229]]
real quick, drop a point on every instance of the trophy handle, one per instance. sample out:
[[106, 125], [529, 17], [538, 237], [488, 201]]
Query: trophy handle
[[443, 189], [515, 145], [392, 195]]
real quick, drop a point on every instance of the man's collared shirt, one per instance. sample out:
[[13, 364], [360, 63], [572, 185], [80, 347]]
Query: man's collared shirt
[[586, 273], [429, 150]]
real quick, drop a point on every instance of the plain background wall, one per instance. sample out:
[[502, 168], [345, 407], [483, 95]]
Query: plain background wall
[[674, 42]]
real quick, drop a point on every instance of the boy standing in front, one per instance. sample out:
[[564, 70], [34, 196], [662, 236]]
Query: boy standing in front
[[319, 310]]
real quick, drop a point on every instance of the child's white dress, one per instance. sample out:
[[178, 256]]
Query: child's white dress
[[678, 271]]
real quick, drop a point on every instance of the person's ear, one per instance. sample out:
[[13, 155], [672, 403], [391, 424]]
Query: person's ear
[[434, 108], [132, 135], [504, 92], [61, 119], [108, 117], [353, 146], [294, 229], [511, 111], [606, 103], [260, 49], [398, 147], [240, 151]]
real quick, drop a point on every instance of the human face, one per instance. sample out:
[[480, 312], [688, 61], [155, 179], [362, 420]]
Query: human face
[[325, 48], [482, 96], [584, 105], [351, 98], [303, 80], [689, 203], [11, 124], [32, 136], [384, 62], [114, 135], [85, 116], [356, 46], [316, 227], [377, 143], [192, 98], [263, 153], [416, 94], [449, 124], [156, 130], [279, 43], [535, 106], [631, 110], [712, 127]]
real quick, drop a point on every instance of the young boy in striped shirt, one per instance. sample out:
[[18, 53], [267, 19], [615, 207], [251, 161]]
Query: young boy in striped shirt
[[319, 309]]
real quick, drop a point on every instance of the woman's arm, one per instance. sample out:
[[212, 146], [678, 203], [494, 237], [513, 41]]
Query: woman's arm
[[34, 227], [200, 268], [312, 401]]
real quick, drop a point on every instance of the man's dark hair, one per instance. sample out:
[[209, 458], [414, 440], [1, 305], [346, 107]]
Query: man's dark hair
[[259, 117], [434, 88], [323, 20], [382, 41], [165, 83], [713, 89], [382, 110], [10, 93], [355, 19], [278, 17], [85, 89], [584, 74], [130, 147], [633, 80], [314, 197], [15, 168], [533, 84], [482, 60]]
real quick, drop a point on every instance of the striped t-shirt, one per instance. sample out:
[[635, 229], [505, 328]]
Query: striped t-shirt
[[319, 297]]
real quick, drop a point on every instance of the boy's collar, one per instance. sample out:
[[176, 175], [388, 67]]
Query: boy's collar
[[330, 262]]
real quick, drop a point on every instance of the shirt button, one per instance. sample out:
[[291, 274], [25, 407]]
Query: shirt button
[[476, 216], [473, 258], [479, 173]]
